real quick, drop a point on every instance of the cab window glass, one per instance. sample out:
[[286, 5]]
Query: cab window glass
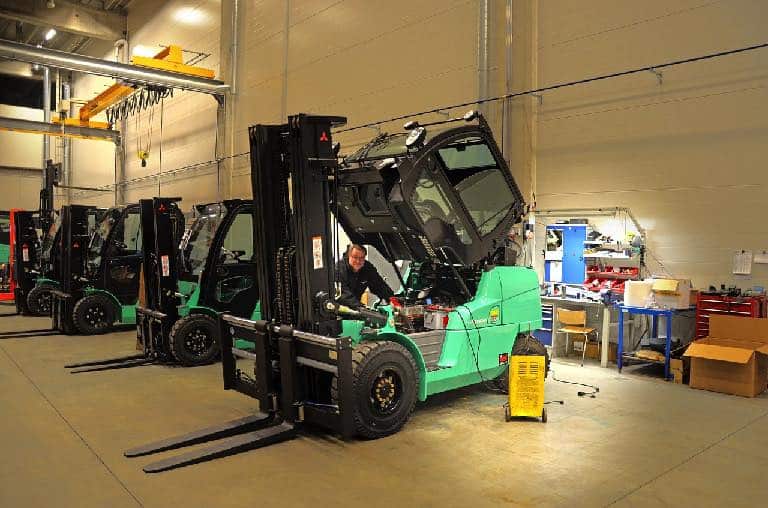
[[238, 244]]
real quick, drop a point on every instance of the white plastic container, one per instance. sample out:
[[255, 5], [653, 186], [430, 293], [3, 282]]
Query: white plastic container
[[636, 292]]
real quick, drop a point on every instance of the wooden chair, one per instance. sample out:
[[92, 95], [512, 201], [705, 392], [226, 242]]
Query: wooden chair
[[575, 323]]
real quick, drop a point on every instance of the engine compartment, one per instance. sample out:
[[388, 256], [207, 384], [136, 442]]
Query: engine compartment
[[432, 291]]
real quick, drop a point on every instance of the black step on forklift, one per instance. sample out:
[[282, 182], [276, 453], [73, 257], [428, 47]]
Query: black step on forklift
[[185, 286], [444, 203]]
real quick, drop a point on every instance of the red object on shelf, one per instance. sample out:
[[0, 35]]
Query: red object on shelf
[[722, 305]]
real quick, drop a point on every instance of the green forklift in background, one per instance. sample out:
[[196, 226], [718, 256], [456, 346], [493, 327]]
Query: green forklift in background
[[34, 285], [185, 287], [100, 274], [444, 201], [6, 289]]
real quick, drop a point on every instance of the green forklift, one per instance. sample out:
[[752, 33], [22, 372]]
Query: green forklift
[[6, 289], [442, 200], [186, 286], [100, 273]]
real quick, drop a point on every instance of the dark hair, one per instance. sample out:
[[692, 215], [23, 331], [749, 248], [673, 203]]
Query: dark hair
[[358, 247]]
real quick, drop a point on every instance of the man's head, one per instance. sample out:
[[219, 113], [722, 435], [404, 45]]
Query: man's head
[[356, 256]]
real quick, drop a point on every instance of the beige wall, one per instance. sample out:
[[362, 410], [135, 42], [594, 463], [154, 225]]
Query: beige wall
[[687, 154], [366, 60], [180, 131], [20, 188]]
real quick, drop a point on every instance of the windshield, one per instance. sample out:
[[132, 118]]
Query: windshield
[[200, 239], [99, 239], [473, 171]]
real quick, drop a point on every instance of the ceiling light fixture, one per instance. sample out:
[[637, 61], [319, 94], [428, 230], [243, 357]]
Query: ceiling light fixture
[[50, 4], [50, 34]]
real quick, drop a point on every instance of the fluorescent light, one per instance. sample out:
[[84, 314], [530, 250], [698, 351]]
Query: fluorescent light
[[189, 16], [50, 34]]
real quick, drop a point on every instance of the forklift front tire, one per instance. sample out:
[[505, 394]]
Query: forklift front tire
[[94, 314], [194, 340], [385, 381], [39, 300]]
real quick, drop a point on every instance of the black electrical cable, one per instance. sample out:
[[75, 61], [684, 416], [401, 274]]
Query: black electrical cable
[[564, 85], [595, 389]]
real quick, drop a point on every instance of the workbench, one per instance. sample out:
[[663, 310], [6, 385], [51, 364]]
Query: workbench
[[655, 314], [604, 321]]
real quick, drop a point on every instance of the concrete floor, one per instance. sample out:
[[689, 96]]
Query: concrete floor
[[641, 442]]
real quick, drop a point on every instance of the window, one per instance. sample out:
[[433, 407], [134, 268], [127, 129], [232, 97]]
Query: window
[[430, 202], [473, 171], [200, 241], [238, 244]]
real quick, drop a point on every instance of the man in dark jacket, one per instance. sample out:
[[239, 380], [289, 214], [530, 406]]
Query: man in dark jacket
[[356, 274]]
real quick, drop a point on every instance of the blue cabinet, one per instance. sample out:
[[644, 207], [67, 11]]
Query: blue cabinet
[[564, 253], [544, 334]]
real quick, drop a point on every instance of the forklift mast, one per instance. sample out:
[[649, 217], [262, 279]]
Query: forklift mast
[[74, 236], [292, 168], [158, 303]]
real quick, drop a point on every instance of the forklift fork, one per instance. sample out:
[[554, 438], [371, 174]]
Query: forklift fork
[[119, 362], [28, 334], [237, 436]]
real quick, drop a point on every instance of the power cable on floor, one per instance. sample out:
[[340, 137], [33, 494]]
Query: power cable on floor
[[591, 395]]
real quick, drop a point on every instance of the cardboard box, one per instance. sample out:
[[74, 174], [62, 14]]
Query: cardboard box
[[672, 293], [733, 358], [678, 369]]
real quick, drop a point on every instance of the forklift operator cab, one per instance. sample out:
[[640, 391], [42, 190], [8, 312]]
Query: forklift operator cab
[[117, 240]]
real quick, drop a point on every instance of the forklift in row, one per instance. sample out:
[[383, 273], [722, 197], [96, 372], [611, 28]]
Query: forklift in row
[[444, 202], [6, 290], [99, 285], [185, 286]]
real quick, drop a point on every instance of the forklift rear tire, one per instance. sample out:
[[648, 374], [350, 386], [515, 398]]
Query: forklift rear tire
[[525, 345], [94, 314], [194, 340], [385, 384], [39, 300]]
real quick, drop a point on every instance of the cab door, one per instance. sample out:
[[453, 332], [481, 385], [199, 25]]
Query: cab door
[[229, 279], [123, 258]]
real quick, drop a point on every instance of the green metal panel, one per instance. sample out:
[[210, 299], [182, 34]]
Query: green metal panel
[[42, 281], [127, 312], [4, 252], [190, 295], [506, 303]]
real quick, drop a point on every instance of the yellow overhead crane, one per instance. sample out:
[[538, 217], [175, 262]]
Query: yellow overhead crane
[[169, 59]]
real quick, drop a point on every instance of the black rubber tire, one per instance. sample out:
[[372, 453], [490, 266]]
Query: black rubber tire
[[370, 362], [94, 314], [39, 300], [194, 340], [525, 345]]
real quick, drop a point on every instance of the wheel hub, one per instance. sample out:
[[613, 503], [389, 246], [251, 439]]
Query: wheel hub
[[198, 341], [386, 392], [95, 315]]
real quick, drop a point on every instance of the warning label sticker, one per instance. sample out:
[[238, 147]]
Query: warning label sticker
[[317, 252], [165, 264]]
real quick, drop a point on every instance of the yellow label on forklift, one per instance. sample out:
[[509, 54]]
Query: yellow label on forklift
[[526, 385], [493, 316]]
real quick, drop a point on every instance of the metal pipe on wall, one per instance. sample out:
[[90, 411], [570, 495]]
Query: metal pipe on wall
[[122, 56], [66, 163], [46, 114], [483, 34], [132, 73]]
